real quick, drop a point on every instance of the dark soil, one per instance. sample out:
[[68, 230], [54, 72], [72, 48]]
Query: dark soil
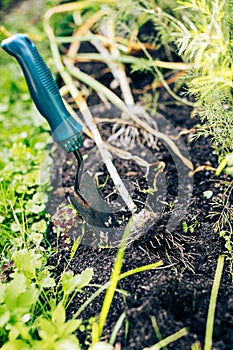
[[178, 293]]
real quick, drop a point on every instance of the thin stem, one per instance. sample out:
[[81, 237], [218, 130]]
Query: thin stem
[[212, 304], [74, 6], [106, 285], [170, 339], [96, 85], [115, 275], [156, 329], [163, 81], [100, 87], [133, 60], [121, 43], [169, 90], [117, 328], [141, 269]]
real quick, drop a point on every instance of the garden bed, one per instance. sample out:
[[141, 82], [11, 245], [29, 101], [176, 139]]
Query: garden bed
[[177, 294], [168, 301]]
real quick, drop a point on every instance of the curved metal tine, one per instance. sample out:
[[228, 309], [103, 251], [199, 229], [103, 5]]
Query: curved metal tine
[[78, 175], [103, 218]]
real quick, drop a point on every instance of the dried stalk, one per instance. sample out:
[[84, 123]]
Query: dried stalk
[[81, 103], [73, 6], [84, 30], [121, 43], [86, 57], [118, 102], [145, 216], [107, 159], [98, 86], [118, 69]]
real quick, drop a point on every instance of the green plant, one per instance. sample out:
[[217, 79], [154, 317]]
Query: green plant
[[202, 33], [222, 213], [113, 281], [166, 341], [170, 205], [19, 327], [23, 186], [212, 303], [189, 227], [32, 304], [31, 301], [121, 46]]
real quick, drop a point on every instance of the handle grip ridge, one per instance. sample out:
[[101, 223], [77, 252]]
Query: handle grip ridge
[[44, 72], [66, 131]]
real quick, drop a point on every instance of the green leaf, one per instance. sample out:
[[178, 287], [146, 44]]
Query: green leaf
[[13, 331], [14, 289], [71, 326], [15, 227], [229, 158], [44, 280], [185, 227], [102, 346], [2, 292], [85, 277], [47, 330], [30, 179], [39, 227], [228, 245], [59, 315], [16, 345], [207, 194], [71, 282], [4, 316], [32, 207], [36, 238], [27, 299], [19, 329], [20, 296], [27, 261], [40, 197], [69, 343], [75, 247]]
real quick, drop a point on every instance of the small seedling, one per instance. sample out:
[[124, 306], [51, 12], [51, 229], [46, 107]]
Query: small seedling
[[189, 227], [171, 204], [208, 194]]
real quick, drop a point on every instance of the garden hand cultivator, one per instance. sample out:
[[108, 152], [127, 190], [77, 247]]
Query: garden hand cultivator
[[65, 129]]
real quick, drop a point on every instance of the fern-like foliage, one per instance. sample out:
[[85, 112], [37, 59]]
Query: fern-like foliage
[[217, 117], [202, 32]]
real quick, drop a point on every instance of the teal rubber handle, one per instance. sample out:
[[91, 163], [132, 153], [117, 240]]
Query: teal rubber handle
[[66, 131]]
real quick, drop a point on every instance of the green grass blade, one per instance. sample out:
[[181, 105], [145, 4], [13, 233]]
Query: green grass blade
[[106, 285], [157, 331], [212, 304], [141, 269], [117, 328], [170, 339], [114, 278]]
